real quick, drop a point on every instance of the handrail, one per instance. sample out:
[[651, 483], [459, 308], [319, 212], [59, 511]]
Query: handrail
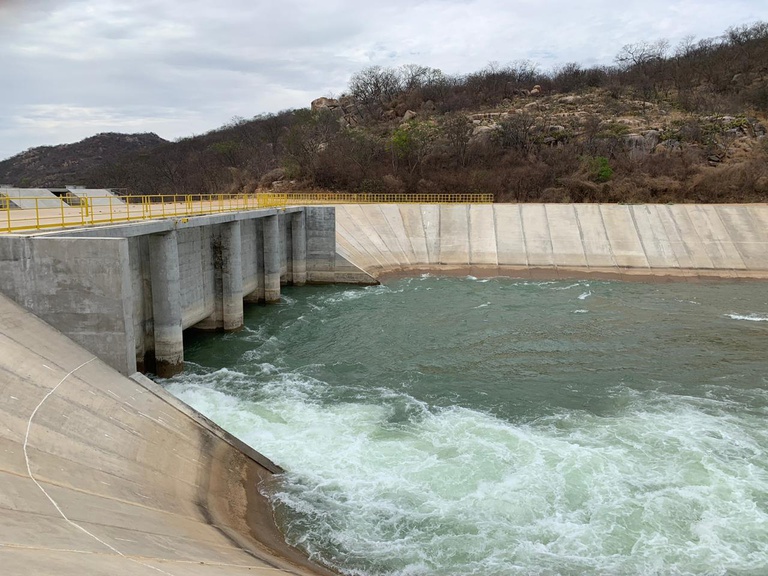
[[25, 213], [42, 213], [299, 198]]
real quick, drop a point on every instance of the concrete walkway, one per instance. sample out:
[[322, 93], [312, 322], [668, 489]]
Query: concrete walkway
[[631, 241], [104, 475]]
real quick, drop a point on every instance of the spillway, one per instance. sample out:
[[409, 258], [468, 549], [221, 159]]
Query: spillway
[[107, 474], [526, 240]]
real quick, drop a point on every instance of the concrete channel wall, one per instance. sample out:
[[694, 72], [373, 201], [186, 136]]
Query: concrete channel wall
[[127, 292], [685, 240], [110, 476], [31, 198]]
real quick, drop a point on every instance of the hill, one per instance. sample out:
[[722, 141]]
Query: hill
[[50, 166], [661, 125]]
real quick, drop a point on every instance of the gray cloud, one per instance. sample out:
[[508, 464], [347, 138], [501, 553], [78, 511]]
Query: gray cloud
[[71, 68]]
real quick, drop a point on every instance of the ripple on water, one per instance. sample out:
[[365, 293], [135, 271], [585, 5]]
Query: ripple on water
[[640, 461]]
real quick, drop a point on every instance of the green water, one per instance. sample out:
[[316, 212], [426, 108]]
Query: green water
[[440, 426]]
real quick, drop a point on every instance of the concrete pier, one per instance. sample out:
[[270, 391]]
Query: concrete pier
[[272, 259], [299, 249], [166, 304], [254, 261], [226, 265], [231, 277]]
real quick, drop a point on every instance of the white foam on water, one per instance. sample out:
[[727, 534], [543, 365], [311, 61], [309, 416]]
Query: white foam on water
[[576, 285], [748, 317], [672, 485], [357, 293], [666, 474], [585, 295]]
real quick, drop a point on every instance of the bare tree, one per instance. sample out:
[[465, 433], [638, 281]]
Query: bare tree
[[642, 53], [373, 88], [457, 130]]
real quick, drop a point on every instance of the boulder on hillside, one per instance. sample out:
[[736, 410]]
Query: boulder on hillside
[[324, 103], [428, 106], [482, 135]]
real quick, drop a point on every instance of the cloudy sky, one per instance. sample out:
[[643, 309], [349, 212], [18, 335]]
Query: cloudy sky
[[72, 68]]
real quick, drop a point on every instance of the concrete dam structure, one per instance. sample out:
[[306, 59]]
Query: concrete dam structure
[[103, 472], [126, 292], [628, 241]]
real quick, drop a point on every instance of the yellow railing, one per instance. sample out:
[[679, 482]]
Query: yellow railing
[[21, 214], [298, 198]]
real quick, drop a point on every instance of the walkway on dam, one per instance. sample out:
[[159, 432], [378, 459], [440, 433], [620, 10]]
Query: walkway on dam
[[688, 240], [103, 475]]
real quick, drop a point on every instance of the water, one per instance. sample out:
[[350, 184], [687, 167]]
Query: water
[[439, 426]]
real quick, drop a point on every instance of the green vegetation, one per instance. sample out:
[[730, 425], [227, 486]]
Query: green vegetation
[[599, 169]]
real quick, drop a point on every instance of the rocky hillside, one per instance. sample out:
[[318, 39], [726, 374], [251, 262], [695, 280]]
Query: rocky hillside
[[50, 166], [543, 145], [683, 124]]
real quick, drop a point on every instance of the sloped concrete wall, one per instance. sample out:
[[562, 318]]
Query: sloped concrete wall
[[32, 198], [104, 475], [624, 240]]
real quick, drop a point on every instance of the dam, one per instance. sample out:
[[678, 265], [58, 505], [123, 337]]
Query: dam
[[112, 473]]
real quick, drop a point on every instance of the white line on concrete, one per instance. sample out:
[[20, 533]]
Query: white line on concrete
[[55, 505]]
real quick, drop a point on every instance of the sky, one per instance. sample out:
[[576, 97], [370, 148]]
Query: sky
[[70, 69]]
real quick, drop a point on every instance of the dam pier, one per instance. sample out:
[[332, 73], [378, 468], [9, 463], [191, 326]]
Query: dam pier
[[128, 291]]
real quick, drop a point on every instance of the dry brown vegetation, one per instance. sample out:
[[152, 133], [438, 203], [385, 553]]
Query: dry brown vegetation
[[683, 124]]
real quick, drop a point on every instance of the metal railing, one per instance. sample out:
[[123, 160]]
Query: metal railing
[[300, 198], [22, 214]]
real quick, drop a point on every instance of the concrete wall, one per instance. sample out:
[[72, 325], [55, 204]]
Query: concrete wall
[[321, 244], [142, 484], [557, 239], [81, 285], [104, 286], [97, 196], [31, 198]]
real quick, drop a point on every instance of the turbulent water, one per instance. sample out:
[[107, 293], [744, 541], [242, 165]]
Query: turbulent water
[[500, 427]]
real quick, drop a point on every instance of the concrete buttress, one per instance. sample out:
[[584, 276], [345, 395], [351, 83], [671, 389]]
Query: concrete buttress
[[272, 259], [231, 276], [299, 252], [166, 303]]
